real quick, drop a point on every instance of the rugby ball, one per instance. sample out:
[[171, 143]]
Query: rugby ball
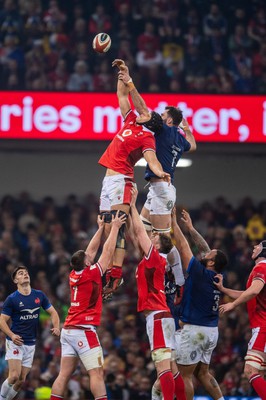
[[101, 43]]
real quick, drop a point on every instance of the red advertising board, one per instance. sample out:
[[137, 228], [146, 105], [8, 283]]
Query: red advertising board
[[96, 116]]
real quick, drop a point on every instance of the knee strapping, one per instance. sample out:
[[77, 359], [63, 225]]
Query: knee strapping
[[255, 360], [161, 355], [121, 241], [146, 223]]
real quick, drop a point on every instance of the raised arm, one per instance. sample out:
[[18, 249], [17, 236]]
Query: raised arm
[[155, 165], [189, 135], [251, 292], [124, 76], [109, 245], [198, 240], [181, 242], [95, 241], [140, 233]]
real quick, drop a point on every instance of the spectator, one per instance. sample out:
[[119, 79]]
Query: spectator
[[80, 80]]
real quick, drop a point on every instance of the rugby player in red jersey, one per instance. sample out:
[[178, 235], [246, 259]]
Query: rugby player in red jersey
[[129, 145], [79, 339], [160, 325], [255, 297]]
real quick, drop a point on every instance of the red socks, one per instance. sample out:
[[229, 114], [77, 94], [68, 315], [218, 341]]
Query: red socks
[[259, 385], [55, 397], [179, 387], [167, 384], [101, 398]]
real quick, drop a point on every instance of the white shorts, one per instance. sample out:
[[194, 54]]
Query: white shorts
[[23, 353], [195, 343], [116, 189], [83, 344], [161, 198], [160, 328]]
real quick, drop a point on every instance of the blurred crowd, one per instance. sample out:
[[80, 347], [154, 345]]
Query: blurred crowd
[[43, 235], [193, 46]]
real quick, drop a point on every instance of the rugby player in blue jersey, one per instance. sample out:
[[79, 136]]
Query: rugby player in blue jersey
[[199, 310], [22, 309]]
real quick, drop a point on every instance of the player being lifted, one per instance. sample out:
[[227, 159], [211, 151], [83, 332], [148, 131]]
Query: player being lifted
[[130, 144]]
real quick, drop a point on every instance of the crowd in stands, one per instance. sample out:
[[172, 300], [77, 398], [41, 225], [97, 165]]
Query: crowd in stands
[[193, 46], [44, 234]]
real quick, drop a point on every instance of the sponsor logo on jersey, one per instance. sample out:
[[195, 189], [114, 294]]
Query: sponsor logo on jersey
[[169, 205], [31, 310], [27, 317], [21, 304], [75, 304], [16, 352]]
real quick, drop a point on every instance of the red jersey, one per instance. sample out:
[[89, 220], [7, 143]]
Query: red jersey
[[150, 282], [257, 306], [127, 147], [86, 296]]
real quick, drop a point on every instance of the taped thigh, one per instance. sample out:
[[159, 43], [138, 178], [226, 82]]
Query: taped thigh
[[255, 360], [161, 355]]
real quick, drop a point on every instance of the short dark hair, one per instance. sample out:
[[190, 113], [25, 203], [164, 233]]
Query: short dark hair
[[77, 260], [14, 273], [175, 113], [165, 243], [220, 261]]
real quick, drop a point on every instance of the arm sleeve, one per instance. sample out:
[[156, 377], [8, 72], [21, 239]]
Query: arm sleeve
[[45, 302], [7, 307]]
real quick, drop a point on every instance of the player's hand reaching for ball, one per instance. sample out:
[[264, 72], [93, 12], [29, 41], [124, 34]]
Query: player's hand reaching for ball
[[120, 64], [186, 219]]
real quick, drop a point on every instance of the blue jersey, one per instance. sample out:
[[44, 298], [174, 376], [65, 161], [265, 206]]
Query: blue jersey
[[170, 145], [200, 302], [24, 312]]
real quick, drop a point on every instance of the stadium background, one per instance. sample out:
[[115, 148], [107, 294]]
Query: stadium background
[[49, 189]]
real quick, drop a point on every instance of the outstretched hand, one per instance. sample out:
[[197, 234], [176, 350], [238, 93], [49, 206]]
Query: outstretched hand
[[226, 307], [186, 219], [121, 65]]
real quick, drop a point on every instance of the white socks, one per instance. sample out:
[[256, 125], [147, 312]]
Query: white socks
[[156, 394], [11, 394], [7, 391]]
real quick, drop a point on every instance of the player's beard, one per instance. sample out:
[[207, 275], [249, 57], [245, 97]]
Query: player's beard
[[204, 262]]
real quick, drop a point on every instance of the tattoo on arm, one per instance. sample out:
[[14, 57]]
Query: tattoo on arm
[[198, 240]]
